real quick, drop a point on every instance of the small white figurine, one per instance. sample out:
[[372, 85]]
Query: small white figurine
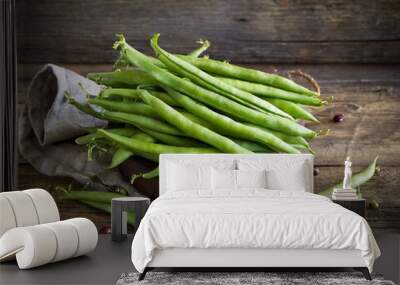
[[347, 174]]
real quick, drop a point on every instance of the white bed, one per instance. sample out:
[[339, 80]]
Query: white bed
[[195, 223]]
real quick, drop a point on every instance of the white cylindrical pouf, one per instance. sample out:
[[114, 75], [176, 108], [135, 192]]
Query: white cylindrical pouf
[[87, 234], [67, 239], [23, 208], [45, 205], [7, 218], [34, 245]]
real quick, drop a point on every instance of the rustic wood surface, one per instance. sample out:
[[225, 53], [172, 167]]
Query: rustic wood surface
[[254, 31], [351, 47]]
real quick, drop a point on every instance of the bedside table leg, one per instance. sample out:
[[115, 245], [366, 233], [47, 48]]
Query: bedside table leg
[[117, 220]]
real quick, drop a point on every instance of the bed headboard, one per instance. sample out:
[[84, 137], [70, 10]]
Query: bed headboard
[[283, 162]]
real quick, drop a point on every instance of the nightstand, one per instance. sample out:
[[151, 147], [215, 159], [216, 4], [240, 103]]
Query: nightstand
[[119, 209], [357, 206]]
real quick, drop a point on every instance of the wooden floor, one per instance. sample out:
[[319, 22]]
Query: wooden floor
[[110, 260]]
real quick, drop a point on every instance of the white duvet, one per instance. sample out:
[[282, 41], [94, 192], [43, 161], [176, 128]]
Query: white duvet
[[256, 218]]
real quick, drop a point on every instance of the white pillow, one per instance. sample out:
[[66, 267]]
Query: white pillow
[[184, 178], [223, 179], [251, 178], [283, 172]]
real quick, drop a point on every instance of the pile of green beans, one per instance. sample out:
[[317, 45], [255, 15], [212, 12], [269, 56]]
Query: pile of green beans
[[173, 103]]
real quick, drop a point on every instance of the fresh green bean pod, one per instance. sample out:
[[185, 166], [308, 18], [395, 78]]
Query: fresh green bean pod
[[151, 174], [204, 45], [295, 110], [173, 140], [140, 146], [122, 79], [135, 94], [148, 175], [142, 122], [207, 81], [191, 128], [83, 108], [127, 132], [227, 126], [272, 92], [229, 70], [253, 146], [210, 98], [119, 93], [356, 180], [122, 154], [126, 107], [298, 142]]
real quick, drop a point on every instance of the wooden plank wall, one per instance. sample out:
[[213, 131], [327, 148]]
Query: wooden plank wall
[[351, 47]]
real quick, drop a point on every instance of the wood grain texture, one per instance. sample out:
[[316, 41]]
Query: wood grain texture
[[274, 31]]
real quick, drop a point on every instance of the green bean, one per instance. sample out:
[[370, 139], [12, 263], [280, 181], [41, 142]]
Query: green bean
[[83, 108], [210, 98], [151, 174], [230, 127], [126, 107], [207, 81], [204, 46], [148, 175], [139, 146], [127, 132], [247, 74], [119, 92], [298, 142], [173, 140], [271, 92], [293, 109], [192, 129], [141, 122], [122, 154], [254, 147], [356, 180], [122, 79], [135, 94]]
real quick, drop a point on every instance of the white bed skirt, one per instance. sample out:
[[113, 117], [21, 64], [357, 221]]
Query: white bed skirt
[[192, 257]]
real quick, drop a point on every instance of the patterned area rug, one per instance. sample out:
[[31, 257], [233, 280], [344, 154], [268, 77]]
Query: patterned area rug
[[244, 278]]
